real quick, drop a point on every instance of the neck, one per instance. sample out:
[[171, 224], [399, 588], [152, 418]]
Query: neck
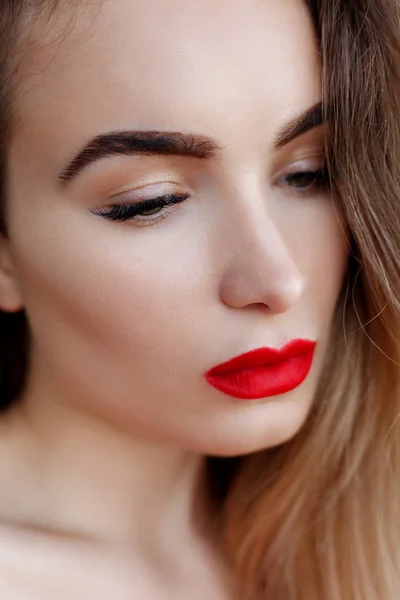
[[66, 472]]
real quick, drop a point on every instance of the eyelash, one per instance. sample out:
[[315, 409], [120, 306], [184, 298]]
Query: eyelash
[[320, 180], [126, 212]]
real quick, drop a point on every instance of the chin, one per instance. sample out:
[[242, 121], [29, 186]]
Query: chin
[[278, 426]]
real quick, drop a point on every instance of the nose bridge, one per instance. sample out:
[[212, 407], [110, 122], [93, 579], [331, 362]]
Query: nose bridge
[[260, 268]]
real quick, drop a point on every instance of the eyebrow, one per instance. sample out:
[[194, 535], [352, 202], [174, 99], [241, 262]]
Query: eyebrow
[[162, 143], [310, 119]]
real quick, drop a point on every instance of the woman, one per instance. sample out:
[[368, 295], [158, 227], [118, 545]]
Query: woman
[[199, 283]]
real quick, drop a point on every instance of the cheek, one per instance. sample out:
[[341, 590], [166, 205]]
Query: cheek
[[109, 295], [326, 252]]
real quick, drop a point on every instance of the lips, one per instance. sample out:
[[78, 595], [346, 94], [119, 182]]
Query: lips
[[264, 372]]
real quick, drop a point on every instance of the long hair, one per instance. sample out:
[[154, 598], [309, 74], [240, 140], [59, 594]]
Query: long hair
[[316, 518]]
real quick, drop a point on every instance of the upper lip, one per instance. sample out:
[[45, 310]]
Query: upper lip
[[264, 356]]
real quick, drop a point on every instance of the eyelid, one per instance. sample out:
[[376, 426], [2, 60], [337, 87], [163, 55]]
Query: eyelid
[[311, 162], [146, 192]]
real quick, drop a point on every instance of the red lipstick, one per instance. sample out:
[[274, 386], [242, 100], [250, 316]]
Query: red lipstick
[[264, 372]]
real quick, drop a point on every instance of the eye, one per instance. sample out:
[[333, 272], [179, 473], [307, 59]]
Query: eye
[[304, 181], [151, 211], [147, 208]]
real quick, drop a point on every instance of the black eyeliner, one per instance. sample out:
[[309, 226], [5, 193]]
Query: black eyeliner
[[125, 212]]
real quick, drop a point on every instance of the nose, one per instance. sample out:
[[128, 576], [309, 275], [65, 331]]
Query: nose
[[259, 268]]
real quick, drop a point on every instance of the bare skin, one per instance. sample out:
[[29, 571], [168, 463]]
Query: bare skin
[[38, 566], [101, 458], [46, 554]]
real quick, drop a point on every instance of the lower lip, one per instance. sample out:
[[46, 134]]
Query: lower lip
[[266, 381]]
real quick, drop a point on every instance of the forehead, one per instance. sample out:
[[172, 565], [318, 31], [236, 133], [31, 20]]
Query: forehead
[[124, 63]]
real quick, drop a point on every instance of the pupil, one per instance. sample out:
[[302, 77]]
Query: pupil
[[301, 180], [151, 211]]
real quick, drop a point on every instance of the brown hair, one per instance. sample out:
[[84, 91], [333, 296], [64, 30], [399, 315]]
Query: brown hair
[[315, 518]]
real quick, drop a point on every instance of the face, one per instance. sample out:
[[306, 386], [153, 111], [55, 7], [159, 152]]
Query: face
[[235, 244]]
